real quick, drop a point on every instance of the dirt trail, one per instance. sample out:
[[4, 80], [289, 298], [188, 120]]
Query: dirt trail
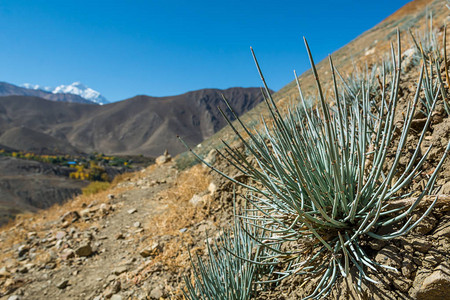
[[113, 238]]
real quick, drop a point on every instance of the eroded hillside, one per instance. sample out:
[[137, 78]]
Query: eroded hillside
[[133, 241]]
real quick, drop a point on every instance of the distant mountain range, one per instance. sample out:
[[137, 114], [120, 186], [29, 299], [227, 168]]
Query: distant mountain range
[[7, 89], [76, 88], [139, 125]]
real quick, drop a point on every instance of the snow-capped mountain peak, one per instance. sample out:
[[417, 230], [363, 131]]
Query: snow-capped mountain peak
[[76, 88]]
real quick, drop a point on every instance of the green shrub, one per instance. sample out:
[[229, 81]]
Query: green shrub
[[230, 271], [321, 179]]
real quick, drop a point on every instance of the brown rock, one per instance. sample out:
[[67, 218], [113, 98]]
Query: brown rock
[[85, 212], [84, 250], [436, 286], [160, 160], [120, 270], [112, 289], [70, 217], [402, 284], [22, 250], [389, 256], [62, 284], [421, 245], [426, 225], [4, 273], [443, 229], [151, 251]]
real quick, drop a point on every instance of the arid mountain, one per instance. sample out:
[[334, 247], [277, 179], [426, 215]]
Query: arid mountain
[[140, 125], [137, 240], [7, 89]]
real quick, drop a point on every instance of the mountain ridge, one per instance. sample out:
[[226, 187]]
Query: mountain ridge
[[139, 125], [8, 89]]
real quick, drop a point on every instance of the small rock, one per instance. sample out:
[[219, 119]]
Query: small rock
[[183, 230], [60, 235], [431, 261], [113, 288], [212, 188], [111, 196], [85, 212], [389, 256], [22, 250], [120, 270], [151, 251], [67, 254], [62, 284], [156, 293], [104, 209], [377, 244], [120, 236], [50, 266], [198, 200], [443, 229], [402, 284], [210, 158], [116, 297], [84, 250], [4, 272], [132, 211], [70, 217], [160, 160], [137, 224], [426, 225], [14, 297], [436, 286], [421, 245], [31, 235]]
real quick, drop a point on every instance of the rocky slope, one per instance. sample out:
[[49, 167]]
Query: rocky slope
[[132, 242]]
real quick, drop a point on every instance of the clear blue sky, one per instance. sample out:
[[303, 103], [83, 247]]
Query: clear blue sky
[[163, 47]]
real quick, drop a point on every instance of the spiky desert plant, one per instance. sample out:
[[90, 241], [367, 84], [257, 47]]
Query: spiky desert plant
[[358, 81], [322, 180], [429, 50], [228, 273]]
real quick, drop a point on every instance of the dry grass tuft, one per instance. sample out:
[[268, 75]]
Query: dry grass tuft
[[179, 214]]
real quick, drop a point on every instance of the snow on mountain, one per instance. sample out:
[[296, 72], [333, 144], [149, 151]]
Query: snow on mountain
[[37, 87], [76, 88]]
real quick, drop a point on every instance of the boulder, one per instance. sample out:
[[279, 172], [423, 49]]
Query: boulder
[[436, 286]]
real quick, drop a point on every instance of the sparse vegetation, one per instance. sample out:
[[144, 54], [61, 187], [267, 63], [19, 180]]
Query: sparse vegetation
[[428, 49], [226, 275], [321, 180], [95, 187]]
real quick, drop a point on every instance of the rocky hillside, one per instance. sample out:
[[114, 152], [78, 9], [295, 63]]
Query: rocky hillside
[[134, 241]]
